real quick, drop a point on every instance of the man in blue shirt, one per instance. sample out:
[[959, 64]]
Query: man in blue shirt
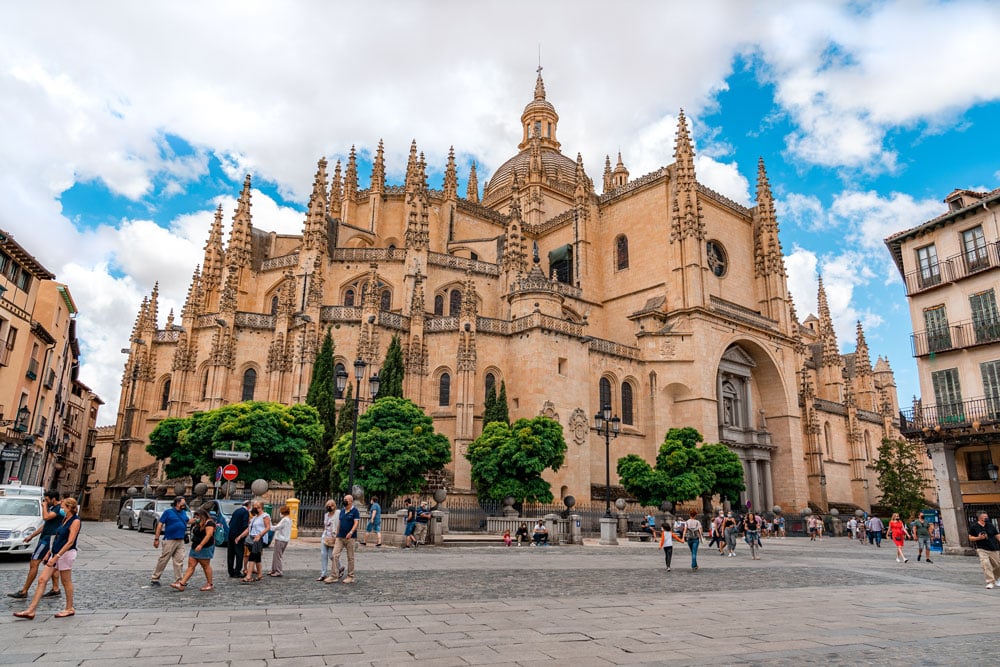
[[374, 522], [173, 526], [347, 532], [53, 514]]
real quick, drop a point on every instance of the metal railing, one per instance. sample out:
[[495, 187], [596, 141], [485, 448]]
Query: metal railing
[[954, 268], [954, 337], [950, 415]]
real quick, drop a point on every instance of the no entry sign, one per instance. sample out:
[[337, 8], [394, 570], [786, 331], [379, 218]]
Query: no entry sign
[[229, 472]]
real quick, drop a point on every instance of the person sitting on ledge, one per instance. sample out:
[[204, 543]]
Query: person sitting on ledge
[[541, 534], [522, 533], [644, 527]]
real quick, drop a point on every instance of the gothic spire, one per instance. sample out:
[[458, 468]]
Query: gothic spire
[[351, 176], [472, 189], [193, 302], [608, 183], [583, 184], [336, 192], [540, 86], [687, 216], [768, 257], [314, 235], [862, 358], [451, 176], [514, 253], [409, 183], [239, 248], [831, 355], [215, 257], [378, 170], [153, 314]]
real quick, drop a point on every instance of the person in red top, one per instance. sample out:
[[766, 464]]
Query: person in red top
[[897, 531]]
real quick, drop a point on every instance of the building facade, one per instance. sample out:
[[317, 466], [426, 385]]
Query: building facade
[[47, 414], [658, 297], [951, 268]]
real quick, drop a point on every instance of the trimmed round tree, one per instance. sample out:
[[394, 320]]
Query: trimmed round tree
[[508, 460]]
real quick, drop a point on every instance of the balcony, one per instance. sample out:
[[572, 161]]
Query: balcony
[[975, 413], [50, 379], [956, 336], [953, 269], [32, 372]]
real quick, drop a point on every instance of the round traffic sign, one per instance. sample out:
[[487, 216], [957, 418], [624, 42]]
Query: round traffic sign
[[230, 472]]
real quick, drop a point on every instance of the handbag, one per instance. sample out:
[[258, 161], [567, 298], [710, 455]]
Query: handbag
[[329, 541], [256, 546]]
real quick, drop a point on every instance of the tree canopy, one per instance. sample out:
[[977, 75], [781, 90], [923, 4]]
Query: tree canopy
[[900, 477], [391, 374], [396, 448], [508, 460], [277, 436], [684, 471], [495, 406], [322, 396]]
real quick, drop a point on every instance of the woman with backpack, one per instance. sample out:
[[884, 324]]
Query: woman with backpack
[[202, 550], [692, 535]]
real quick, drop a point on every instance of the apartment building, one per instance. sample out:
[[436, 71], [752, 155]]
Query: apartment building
[[951, 268]]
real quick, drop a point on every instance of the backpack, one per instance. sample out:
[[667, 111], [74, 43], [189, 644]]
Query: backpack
[[221, 530]]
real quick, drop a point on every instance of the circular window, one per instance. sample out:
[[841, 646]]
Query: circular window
[[717, 260]]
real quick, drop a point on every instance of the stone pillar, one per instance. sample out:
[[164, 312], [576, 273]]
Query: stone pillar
[[754, 490], [956, 529], [768, 490], [575, 531], [401, 526], [609, 528], [293, 512], [434, 535], [552, 525]]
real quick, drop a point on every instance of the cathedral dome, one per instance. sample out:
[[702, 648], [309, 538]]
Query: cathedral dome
[[555, 167]]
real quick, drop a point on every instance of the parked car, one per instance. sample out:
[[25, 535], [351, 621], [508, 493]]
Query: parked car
[[21, 490], [150, 516], [19, 517], [128, 515], [226, 506]]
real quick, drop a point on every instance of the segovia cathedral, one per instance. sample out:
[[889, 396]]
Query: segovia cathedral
[[658, 297]]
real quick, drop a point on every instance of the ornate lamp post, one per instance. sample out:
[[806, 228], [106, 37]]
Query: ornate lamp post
[[373, 384], [609, 427]]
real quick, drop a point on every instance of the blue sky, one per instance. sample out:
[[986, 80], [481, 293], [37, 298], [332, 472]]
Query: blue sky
[[117, 143]]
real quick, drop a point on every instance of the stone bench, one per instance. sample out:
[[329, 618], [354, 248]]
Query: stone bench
[[639, 536]]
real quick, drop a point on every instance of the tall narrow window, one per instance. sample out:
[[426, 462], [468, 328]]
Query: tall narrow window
[[868, 446], [621, 253], [165, 395], [991, 387], [385, 302], [974, 249], [274, 305], [444, 390], [349, 298], [439, 305], [204, 385], [948, 396], [604, 389], [249, 384], [337, 370], [938, 333], [927, 263], [491, 383], [828, 439], [628, 416], [985, 319], [455, 303]]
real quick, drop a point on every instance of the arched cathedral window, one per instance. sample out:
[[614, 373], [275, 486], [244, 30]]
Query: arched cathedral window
[[604, 390], [337, 369], [621, 253], [249, 384], [455, 303], [165, 396], [385, 303], [628, 415], [274, 305], [349, 298], [444, 390], [439, 305], [491, 383]]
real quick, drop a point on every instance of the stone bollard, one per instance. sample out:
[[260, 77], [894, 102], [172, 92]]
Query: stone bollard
[[575, 529], [552, 525], [434, 534], [293, 512], [401, 526]]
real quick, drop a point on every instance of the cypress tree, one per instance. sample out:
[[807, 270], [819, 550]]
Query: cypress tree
[[391, 374], [322, 396], [345, 423], [503, 414], [490, 405]]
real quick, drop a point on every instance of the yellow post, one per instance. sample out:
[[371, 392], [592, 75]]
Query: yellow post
[[293, 512]]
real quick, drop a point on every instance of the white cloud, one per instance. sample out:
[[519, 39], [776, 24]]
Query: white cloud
[[805, 211]]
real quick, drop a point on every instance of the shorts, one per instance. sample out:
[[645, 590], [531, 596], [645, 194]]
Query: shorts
[[42, 548], [374, 526], [410, 527], [66, 561], [419, 531]]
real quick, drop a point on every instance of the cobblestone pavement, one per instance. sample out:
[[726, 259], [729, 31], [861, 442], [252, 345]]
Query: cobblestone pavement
[[830, 602]]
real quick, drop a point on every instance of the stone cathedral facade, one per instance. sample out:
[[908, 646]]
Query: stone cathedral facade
[[658, 296]]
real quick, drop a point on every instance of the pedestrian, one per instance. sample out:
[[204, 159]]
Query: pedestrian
[[779, 526], [347, 532], [59, 559], [862, 531], [282, 534], [897, 531], [522, 533], [540, 534], [667, 544], [751, 530], [715, 533], [876, 527], [374, 522], [329, 541], [411, 524], [983, 536], [921, 533], [236, 541], [256, 536], [202, 550], [423, 518], [692, 535], [852, 528], [729, 533], [172, 526], [811, 527], [52, 517]]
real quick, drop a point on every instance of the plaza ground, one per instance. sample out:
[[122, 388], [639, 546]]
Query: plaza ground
[[830, 602]]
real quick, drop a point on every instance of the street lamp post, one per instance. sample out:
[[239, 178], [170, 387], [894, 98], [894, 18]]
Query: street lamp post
[[607, 426], [373, 384]]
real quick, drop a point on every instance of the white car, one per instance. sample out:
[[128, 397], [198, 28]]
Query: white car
[[19, 517]]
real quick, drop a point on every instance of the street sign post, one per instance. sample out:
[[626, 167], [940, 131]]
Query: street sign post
[[229, 455]]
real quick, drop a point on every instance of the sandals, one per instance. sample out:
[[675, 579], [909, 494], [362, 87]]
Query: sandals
[[65, 613], [178, 585], [26, 615], [207, 587]]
